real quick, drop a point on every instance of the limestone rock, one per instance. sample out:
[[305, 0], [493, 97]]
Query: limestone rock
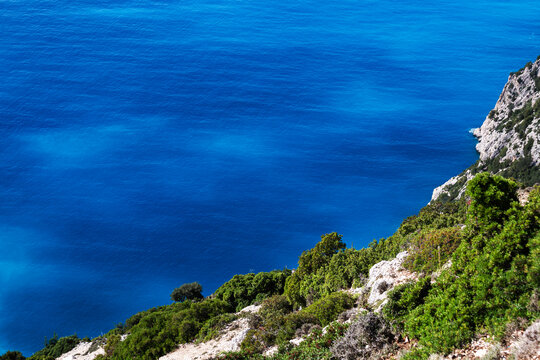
[[83, 351], [510, 133], [383, 277]]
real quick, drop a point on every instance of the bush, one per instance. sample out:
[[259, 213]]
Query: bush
[[112, 341], [369, 337], [325, 269], [491, 196], [312, 260], [191, 291], [273, 311], [328, 308]]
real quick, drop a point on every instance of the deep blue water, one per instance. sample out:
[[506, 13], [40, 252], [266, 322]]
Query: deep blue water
[[145, 144]]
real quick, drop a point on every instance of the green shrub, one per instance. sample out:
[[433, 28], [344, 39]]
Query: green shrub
[[273, 311], [255, 341], [112, 341], [325, 269], [491, 196], [312, 260], [328, 308]]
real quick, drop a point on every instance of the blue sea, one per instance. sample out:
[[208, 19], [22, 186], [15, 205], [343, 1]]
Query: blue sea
[[145, 144]]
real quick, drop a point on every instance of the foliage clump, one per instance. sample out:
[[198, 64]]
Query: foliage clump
[[328, 308]]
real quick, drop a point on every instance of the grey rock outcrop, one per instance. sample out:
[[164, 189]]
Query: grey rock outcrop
[[509, 138], [383, 277]]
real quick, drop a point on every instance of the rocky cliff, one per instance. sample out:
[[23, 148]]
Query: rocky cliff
[[509, 138]]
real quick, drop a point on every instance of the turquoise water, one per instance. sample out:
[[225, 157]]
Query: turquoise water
[[147, 144]]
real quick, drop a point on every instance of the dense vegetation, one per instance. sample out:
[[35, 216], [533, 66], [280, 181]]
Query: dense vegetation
[[493, 279]]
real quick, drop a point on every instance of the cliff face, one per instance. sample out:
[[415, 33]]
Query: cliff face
[[509, 138]]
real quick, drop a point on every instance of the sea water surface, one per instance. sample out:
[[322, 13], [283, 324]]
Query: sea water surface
[[145, 144]]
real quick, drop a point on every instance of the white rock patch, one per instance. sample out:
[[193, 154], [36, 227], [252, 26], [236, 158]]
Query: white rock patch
[[81, 352], [383, 277]]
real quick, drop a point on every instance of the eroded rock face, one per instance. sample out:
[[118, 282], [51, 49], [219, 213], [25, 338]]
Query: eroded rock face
[[509, 137], [383, 277], [521, 89]]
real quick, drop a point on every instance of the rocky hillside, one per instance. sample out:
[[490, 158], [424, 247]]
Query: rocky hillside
[[509, 138]]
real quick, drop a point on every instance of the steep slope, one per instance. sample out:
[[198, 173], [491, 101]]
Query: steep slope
[[509, 138]]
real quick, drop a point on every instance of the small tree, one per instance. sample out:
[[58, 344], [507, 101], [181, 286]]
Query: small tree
[[191, 291]]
